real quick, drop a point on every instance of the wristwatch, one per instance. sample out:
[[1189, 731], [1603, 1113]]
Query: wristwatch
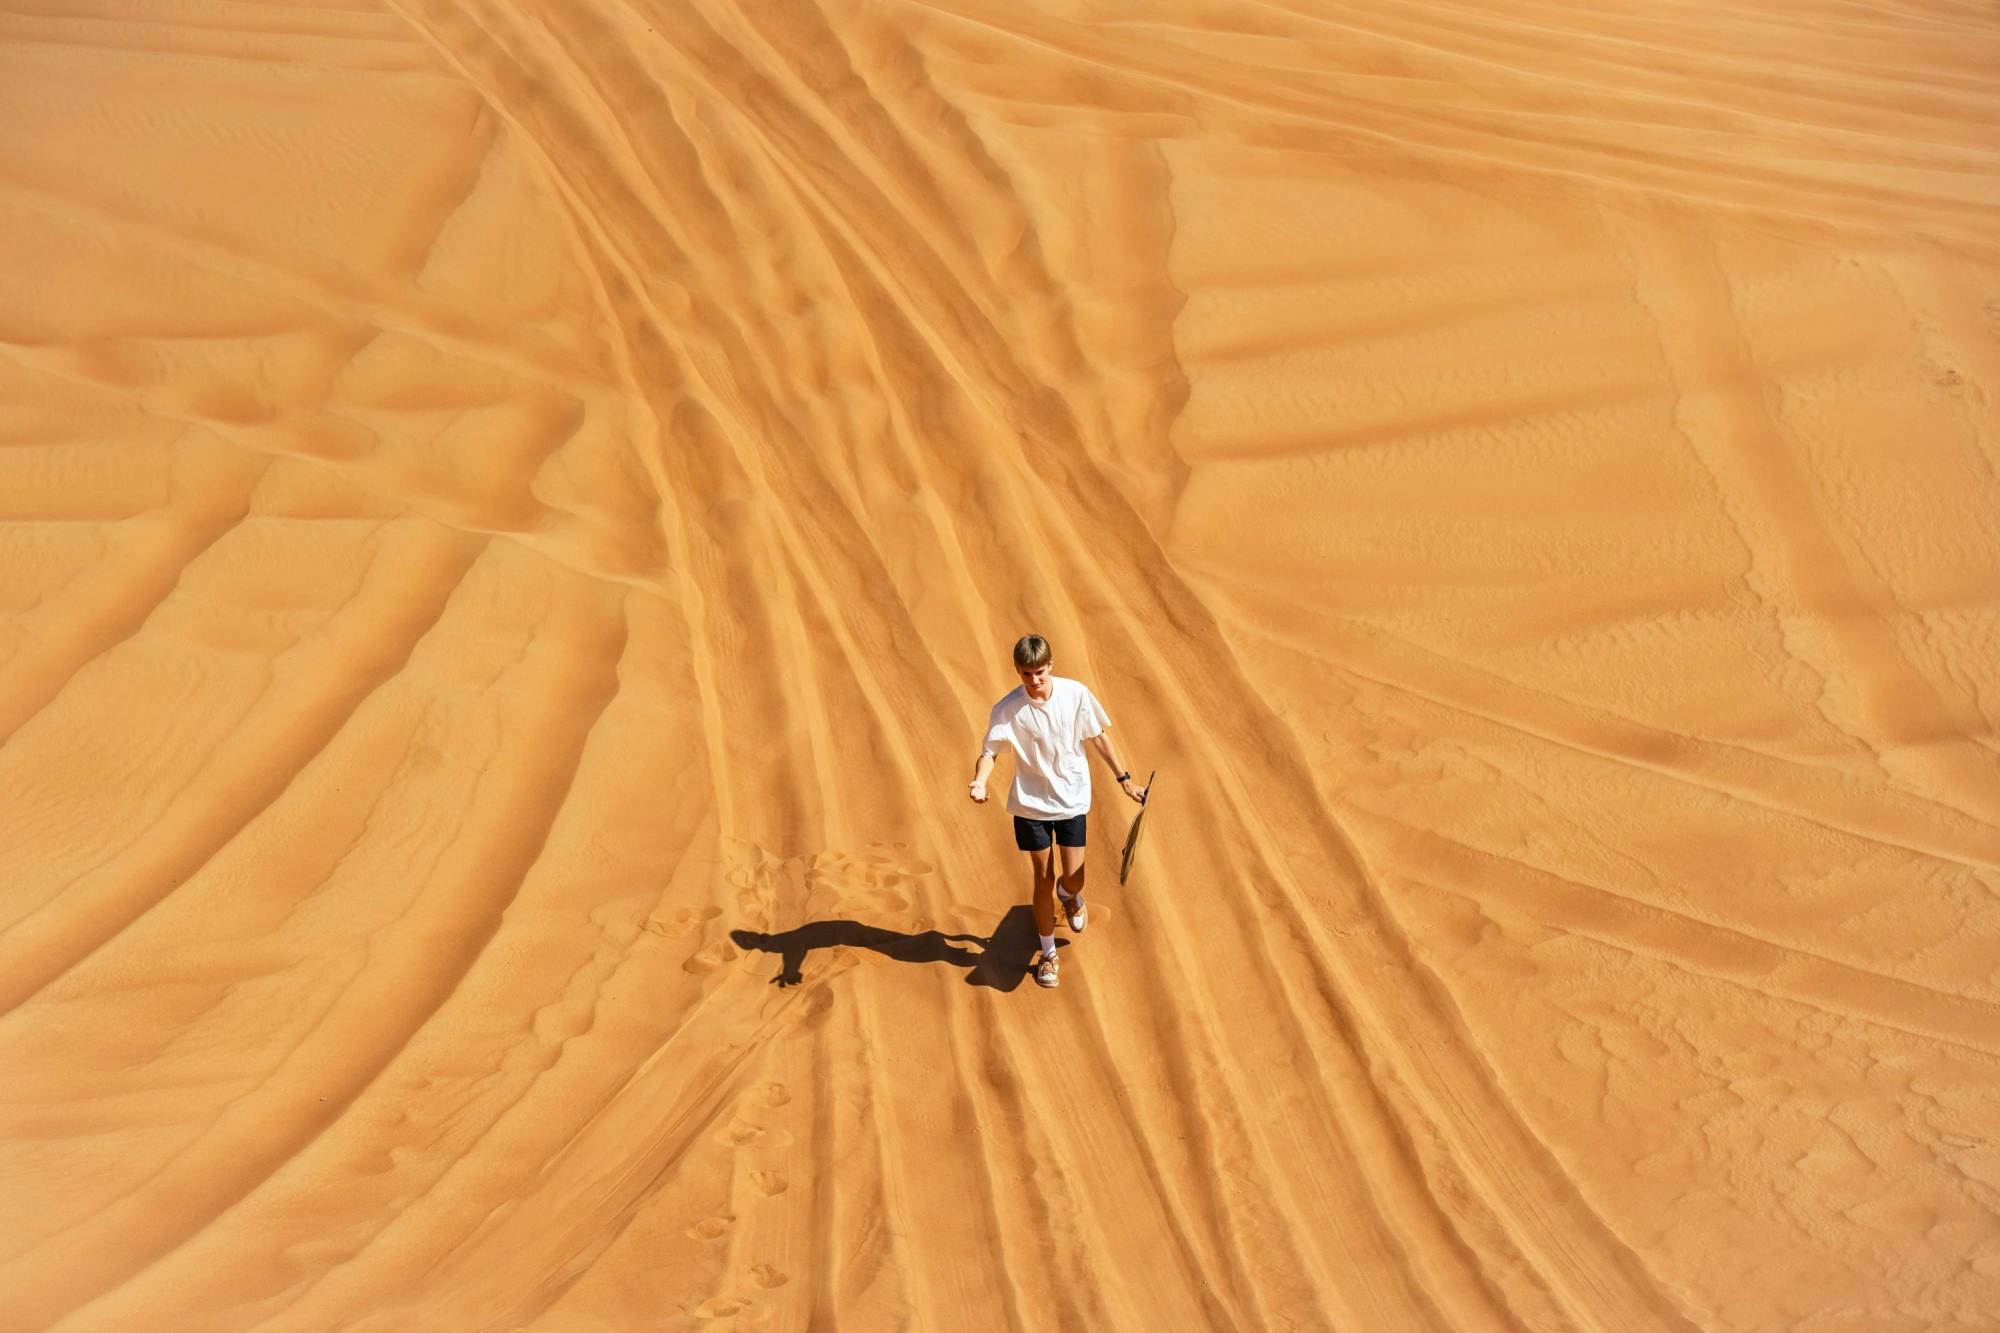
[[1124, 778]]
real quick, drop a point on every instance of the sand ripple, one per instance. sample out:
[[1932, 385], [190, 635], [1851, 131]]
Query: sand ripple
[[511, 512]]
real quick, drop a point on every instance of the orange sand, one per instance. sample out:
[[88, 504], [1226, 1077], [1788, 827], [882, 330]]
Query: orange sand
[[498, 495]]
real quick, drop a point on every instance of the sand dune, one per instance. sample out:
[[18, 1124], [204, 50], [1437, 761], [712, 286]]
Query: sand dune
[[512, 513]]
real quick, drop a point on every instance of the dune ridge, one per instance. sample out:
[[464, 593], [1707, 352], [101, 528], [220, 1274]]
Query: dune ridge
[[514, 511]]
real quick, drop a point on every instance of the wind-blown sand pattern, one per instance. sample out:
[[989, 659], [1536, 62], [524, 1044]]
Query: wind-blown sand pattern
[[512, 513]]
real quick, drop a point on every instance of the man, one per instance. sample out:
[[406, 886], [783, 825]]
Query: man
[[1045, 723]]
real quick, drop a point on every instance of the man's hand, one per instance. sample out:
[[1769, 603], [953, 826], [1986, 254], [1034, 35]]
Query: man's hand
[[978, 790], [1136, 793]]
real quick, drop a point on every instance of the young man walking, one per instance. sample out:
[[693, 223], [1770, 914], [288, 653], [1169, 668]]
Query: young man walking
[[1046, 723]]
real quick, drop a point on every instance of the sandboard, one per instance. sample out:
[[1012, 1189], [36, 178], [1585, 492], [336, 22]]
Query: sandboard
[[1132, 838]]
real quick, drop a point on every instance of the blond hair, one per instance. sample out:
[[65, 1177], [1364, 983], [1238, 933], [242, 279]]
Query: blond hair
[[1031, 651]]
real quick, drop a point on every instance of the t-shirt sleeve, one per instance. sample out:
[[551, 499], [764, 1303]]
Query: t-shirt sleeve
[[1092, 720], [996, 732]]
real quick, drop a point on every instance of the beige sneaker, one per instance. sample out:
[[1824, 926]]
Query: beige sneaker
[[1074, 912], [1045, 970]]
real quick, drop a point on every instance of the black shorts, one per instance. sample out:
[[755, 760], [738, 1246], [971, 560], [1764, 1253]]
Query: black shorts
[[1033, 835]]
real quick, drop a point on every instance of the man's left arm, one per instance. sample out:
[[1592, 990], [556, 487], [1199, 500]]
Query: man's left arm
[[1101, 742]]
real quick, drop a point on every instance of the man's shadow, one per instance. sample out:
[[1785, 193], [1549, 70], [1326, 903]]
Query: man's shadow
[[1001, 961]]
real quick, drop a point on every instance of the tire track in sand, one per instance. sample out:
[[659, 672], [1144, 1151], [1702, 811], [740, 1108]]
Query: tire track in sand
[[121, 596], [986, 354], [1049, 433], [361, 651], [1832, 617], [413, 972], [785, 527], [687, 477]]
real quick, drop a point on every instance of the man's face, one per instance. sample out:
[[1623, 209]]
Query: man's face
[[1036, 678]]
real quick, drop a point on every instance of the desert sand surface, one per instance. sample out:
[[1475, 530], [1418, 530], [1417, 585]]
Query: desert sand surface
[[513, 513]]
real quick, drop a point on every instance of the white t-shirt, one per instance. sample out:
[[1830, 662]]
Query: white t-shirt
[[1051, 774]]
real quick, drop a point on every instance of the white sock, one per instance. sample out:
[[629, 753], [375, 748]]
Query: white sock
[[1048, 944], [1066, 895]]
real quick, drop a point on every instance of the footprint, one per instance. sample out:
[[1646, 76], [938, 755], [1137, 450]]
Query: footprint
[[742, 1134], [710, 1228], [770, 1182], [812, 1011], [773, 1094], [768, 1276], [710, 958], [681, 920], [719, 1307]]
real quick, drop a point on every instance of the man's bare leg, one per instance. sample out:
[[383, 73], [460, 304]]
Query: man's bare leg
[[1043, 865], [1071, 883], [1044, 966]]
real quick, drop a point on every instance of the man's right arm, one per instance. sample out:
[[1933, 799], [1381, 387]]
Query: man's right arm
[[980, 774]]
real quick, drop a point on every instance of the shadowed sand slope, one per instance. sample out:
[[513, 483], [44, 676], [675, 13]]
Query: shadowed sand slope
[[512, 513]]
